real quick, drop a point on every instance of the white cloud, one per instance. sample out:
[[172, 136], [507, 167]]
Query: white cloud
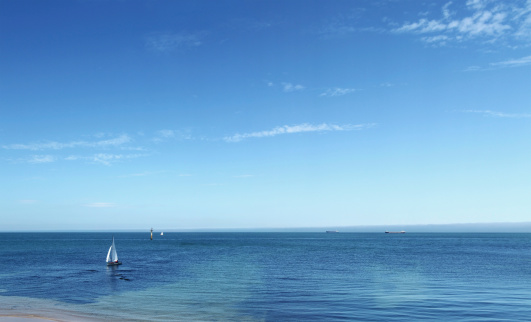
[[476, 4], [519, 62], [446, 11], [163, 135], [108, 158], [42, 159], [72, 158], [490, 20], [120, 140], [287, 129], [166, 133], [498, 114], [332, 92], [289, 87], [439, 39], [514, 62]]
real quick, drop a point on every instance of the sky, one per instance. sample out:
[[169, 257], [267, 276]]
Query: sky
[[263, 114]]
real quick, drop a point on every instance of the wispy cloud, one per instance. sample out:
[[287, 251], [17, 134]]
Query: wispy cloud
[[519, 62], [291, 129], [104, 158], [122, 139], [163, 135], [487, 19], [166, 133], [103, 151], [108, 158], [498, 114], [289, 87], [100, 205], [524, 61], [168, 42], [42, 159], [333, 92]]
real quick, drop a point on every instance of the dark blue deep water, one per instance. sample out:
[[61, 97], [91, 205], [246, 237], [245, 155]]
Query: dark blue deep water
[[270, 276]]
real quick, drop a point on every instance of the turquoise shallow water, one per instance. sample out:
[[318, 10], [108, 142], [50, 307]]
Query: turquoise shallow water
[[270, 276]]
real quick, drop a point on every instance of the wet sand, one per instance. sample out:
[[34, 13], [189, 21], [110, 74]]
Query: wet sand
[[19, 317], [24, 318], [21, 309], [42, 317]]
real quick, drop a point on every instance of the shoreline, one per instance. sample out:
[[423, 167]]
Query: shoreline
[[19, 317], [24, 309], [40, 317]]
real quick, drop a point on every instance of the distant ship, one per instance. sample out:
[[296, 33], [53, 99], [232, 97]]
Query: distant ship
[[331, 231], [395, 232]]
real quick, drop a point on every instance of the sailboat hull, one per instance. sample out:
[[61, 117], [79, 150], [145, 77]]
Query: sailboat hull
[[114, 263]]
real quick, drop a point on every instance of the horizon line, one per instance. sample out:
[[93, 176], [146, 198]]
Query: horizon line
[[452, 227]]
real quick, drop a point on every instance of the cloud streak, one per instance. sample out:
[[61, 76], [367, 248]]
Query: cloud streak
[[120, 140], [104, 158], [108, 159], [498, 114], [292, 129], [510, 63], [42, 159], [333, 92], [524, 61], [289, 87]]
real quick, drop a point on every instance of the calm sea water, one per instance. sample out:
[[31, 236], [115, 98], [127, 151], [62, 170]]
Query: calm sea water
[[270, 276]]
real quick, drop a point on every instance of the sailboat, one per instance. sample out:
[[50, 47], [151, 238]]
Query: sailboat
[[162, 234], [112, 256]]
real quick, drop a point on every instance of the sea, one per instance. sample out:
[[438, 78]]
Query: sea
[[226, 276]]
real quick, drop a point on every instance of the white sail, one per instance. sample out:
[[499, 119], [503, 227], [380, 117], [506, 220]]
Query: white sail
[[109, 254], [112, 256]]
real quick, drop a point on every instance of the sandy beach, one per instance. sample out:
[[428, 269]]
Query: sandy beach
[[43, 316], [25, 318], [62, 317], [21, 309]]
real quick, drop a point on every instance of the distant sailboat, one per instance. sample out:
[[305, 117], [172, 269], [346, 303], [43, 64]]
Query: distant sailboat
[[112, 256], [162, 234]]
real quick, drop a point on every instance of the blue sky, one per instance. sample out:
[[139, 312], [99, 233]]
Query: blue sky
[[263, 114]]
